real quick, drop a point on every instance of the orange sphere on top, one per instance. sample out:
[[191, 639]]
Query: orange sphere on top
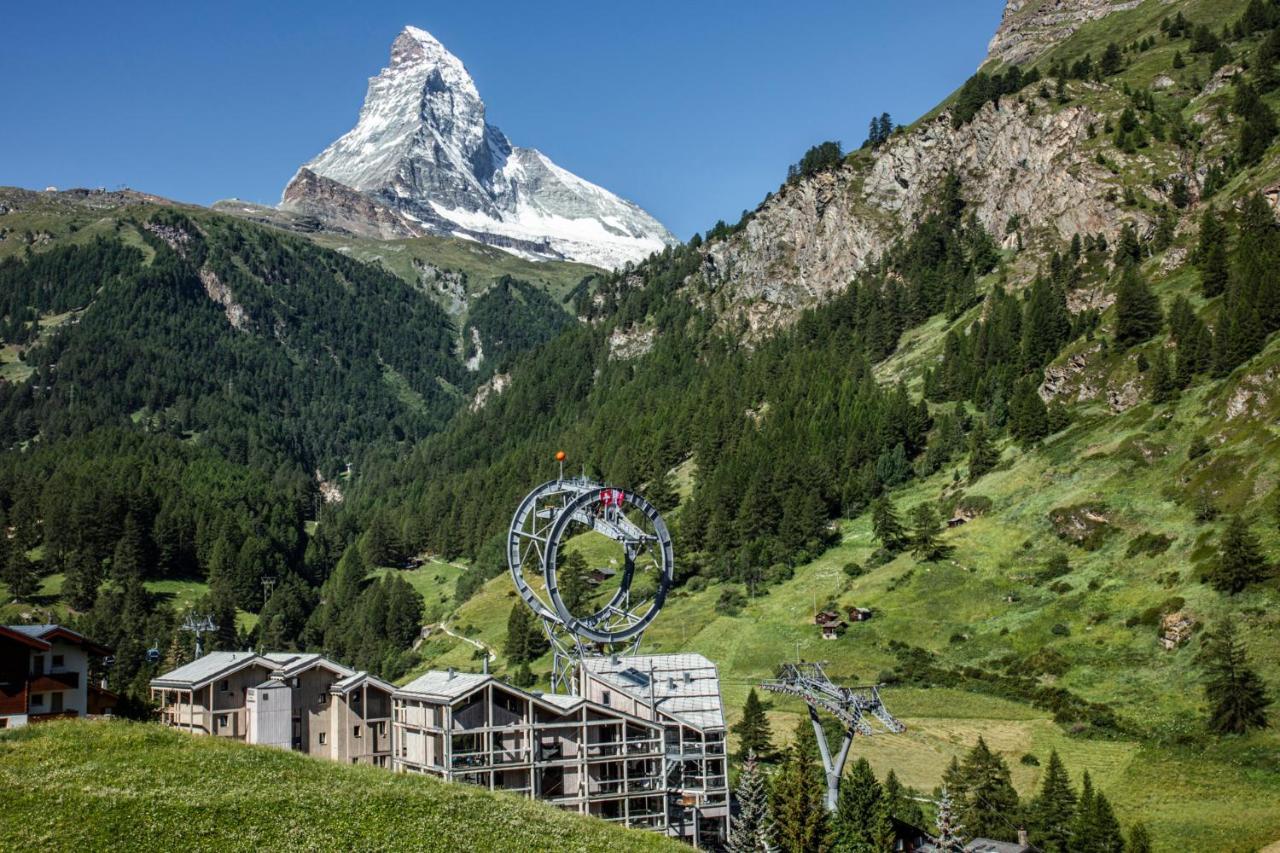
[[560, 456]]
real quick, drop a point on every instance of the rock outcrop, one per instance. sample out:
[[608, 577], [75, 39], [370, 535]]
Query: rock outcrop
[[804, 244], [1029, 28]]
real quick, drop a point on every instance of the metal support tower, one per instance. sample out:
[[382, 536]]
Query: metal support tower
[[852, 706], [198, 626]]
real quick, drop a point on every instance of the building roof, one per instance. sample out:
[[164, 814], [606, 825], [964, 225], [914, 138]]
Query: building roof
[[685, 687], [289, 664], [208, 668], [351, 682], [449, 684], [26, 639], [49, 632], [987, 845]]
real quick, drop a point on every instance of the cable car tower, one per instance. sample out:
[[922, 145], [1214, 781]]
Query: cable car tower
[[850, 705], [586, 512]]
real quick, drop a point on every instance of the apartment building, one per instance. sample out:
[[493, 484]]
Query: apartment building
[[45, 673], [680, 693], [573, 753], [300, 702]]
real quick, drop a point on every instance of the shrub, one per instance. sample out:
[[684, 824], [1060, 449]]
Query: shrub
[[1060, 630], [730, 602], [1199, 447], [1029, 760], [1150, 544], [853, 570]]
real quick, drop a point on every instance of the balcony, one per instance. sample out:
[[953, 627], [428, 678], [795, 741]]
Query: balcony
[[53, 682]]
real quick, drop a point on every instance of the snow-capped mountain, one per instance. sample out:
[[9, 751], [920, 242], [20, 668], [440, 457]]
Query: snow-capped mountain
[[423, 159]]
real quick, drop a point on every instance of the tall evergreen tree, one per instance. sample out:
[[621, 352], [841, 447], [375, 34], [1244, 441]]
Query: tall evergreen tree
[[575, 587], [989, 797], [1095, 828], [926, 527], [1138, 314], [948, 830], [20, 574], [899, 802], [1052, 812], [798, 805], [1211, 256], [1028, 415], [983, 455], [861, 823], [1237, 696], [1240, 559], [887, 526], [753, 732], [753, 826]]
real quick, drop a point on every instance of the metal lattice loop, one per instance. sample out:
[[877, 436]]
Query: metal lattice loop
[[561, 510]]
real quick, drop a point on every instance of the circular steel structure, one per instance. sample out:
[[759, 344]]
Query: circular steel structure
[[561, 510]]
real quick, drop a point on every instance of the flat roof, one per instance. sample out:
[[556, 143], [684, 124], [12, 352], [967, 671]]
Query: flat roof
[[685, 687]]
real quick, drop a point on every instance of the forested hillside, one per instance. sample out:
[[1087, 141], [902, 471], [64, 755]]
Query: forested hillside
[[1005, 377]]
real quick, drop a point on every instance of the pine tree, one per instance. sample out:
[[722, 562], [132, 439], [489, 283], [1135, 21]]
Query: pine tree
[[84, 575], [900, 804], [1053, 811], [661, 490], [1028, 415], [753, 827], [754, 734], [130, 558], [20, 574], [1139, 839], [799, 794], [948, 830], [1240, 558], [572, 579], [989, 796], [1237, 696], [861, 823], [887, 525], [1211, 255], [983, 455], [519, 626], [1164, 385], [1138, 314], [1106, 834], [925, 529]]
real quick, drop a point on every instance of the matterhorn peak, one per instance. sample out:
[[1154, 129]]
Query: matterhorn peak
[[423, 159]]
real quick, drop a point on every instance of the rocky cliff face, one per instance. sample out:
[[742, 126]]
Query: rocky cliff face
[[1031, 27], [808, 241], [423, 159]]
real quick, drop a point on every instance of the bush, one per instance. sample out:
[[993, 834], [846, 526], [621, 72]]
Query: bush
[[1060, 630], [730, 602], [1199, 447], [1029, 760], [853, 570], [1150, 544], [1057, 566]]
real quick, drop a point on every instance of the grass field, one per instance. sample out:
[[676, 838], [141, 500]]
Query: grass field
[[110, 785]]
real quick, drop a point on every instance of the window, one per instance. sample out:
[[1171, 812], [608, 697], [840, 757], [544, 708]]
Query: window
[[604, 697], [58, 661], [322, 738], [224, 686], [357, 731], [37, 700], [57, 703], [37, 664], [4, 722], [355, 698], [222, 721]]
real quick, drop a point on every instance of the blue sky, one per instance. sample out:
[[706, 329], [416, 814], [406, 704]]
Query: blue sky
[[691, 109]]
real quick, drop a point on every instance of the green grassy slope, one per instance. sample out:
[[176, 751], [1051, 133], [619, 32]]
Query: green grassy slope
[[152, 789]]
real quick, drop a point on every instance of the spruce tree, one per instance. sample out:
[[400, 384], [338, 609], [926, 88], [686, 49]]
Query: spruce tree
[[887, 526], [20, 574], [861, 823], [1164, 384], [1138, 314], [989, 796], [1211, 256], [983, 455], [1240, 559], [84, 575], [799, 798], [753, 826], [1139, 839], [1096, 828], [1052, 812], [948, 830], [572, 574], [1237, 696], [899, 802], [1028, 415], [925, 530], [753, 732]]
